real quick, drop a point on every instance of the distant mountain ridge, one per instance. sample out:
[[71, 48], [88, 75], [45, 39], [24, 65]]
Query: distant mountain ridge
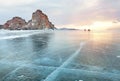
[[67, 29], [39, 21]]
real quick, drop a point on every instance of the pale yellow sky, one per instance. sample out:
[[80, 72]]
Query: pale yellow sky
[[97, 25]]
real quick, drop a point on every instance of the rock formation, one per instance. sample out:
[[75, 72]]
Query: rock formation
[[16, 23], [39, 21]]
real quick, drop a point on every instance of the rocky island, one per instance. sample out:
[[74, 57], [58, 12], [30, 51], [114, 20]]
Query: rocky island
[[39, 21]]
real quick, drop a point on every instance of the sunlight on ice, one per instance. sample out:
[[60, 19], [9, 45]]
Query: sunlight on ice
[[118, 56], [78, 80]]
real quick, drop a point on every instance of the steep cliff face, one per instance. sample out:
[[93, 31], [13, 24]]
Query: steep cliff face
[[15, 24], [39, 21]]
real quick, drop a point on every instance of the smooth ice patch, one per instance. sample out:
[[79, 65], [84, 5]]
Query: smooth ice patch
[[46, 61]]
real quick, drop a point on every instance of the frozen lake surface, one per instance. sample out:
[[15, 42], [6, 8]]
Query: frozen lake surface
[[59, 56]]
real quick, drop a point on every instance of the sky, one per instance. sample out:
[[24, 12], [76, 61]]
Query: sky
[[94, 14]]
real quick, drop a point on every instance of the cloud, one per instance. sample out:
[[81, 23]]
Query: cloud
[[8, 3], [63, 12], [98, 10]]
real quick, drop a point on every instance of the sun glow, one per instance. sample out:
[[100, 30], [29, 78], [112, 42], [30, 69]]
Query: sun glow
[[95, 26], [101, 25]]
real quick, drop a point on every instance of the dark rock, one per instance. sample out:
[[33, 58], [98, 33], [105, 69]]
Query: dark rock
[[89, 30]]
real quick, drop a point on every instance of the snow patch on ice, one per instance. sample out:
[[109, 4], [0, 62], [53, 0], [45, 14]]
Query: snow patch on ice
[[7, 34]]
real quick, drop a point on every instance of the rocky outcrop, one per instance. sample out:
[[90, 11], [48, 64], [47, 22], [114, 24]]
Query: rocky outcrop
[[39, 21], [15, 24]]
